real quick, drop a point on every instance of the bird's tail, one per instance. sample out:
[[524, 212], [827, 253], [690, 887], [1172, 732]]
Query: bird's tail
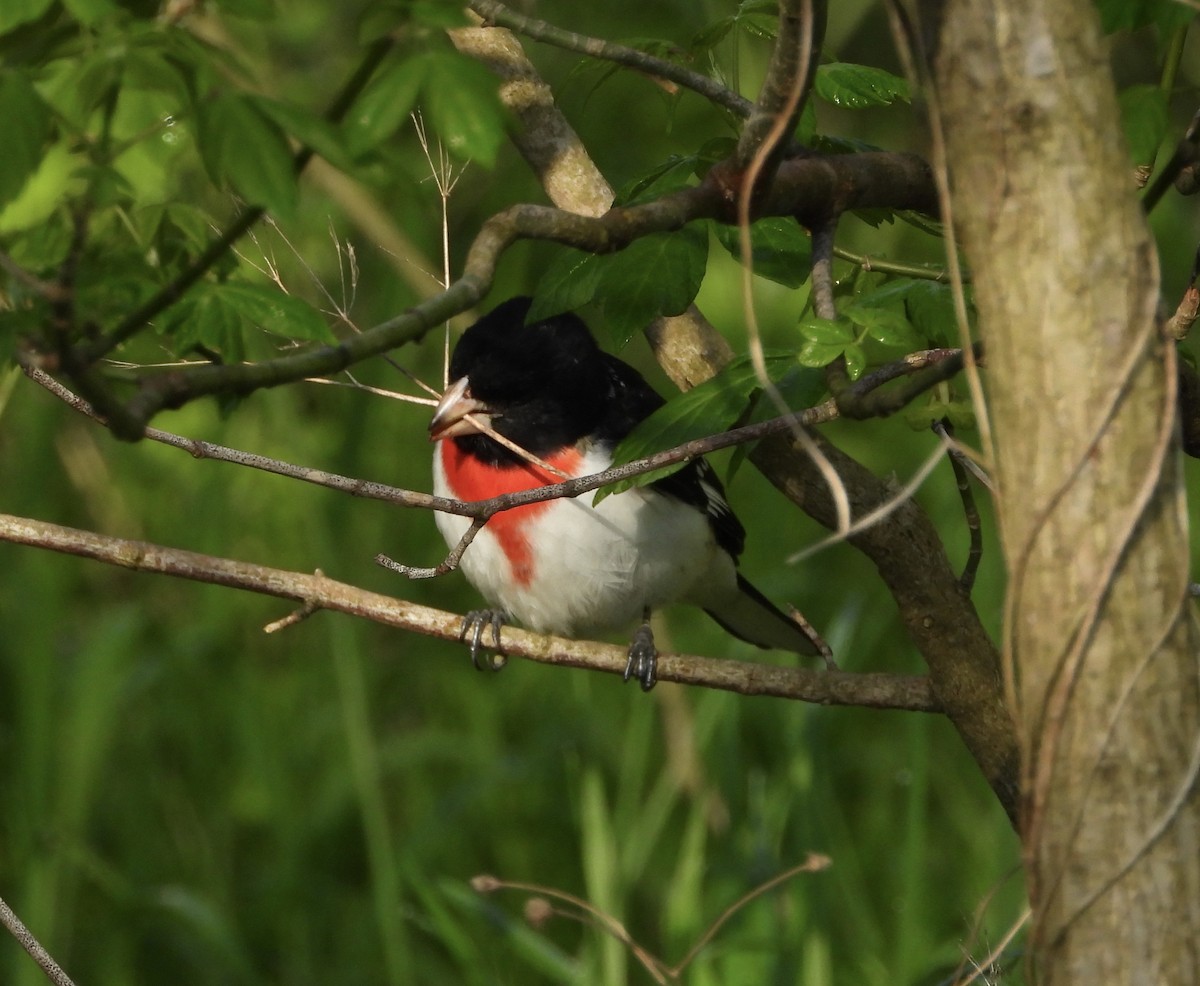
[[752, 617]]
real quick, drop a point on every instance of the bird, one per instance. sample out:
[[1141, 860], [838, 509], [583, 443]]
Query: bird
[[567, 566]]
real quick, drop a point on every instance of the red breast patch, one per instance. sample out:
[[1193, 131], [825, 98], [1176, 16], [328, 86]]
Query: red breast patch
[[471, 480]]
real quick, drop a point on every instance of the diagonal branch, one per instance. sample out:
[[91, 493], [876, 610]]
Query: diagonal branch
[[315, 592], [804, 187], [497, 13]]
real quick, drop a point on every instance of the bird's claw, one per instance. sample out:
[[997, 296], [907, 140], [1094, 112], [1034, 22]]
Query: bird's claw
[[643, 658], [473, 625]]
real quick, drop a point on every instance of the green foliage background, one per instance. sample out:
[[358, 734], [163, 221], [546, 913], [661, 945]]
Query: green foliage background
[[188, 800]]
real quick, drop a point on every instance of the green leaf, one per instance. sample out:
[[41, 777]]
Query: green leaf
[[217, 315], [270, 309], [780, 250], [657, 275], [26, 128], [673, 174], [308, 128], [568, 283], [708, 409], [464, 107], [930, 308], [921, 416], [856, 86], [51, 185], [1144, 118], [1166, 15], [440, 14], [90, 11], [817, 354], [241, 145], [385, 104], [856, 361], [884, 325], [825, 332], [205, 318], [13, 13], [149, 68]]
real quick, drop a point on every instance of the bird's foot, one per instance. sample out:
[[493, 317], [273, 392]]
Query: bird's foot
[[473, 625], [643, 658]]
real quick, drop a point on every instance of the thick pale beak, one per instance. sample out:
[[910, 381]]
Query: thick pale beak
[[450, 416]]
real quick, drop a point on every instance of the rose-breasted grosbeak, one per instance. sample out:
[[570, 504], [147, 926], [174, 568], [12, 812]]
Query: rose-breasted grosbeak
[[563, 566]]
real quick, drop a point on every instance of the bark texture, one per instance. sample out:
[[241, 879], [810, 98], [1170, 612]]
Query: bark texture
[[1101, 645]]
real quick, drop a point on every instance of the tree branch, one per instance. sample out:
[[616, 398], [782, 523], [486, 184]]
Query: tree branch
[[315, 592], [803, 187], [531, 27]]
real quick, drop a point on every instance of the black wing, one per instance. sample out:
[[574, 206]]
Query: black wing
[[696, 484]]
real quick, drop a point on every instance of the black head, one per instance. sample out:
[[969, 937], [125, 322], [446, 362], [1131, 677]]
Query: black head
[[542, 385]]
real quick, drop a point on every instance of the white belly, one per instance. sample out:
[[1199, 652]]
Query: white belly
[[592, 570]]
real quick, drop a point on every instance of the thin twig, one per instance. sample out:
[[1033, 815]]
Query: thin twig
[[481, 509], [587, 913], [28, 942], [813, 864], [531, 27], [868, 690]]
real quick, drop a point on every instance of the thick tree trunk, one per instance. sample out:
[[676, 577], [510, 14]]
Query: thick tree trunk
[[1100, 638]]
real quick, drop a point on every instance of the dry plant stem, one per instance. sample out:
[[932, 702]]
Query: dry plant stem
[[585, 912], [881, 691], [530, 27], [993, 956], [814, 863], [24, 936]]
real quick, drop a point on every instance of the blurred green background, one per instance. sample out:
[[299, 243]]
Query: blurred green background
[[189, 800]]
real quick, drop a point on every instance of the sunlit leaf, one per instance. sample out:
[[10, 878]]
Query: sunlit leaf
[[16, 12], [90, 11], [856, 361], [884, 325], [856, 86], [817, 354], [44, 192], [825, 332], [26, 127]]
